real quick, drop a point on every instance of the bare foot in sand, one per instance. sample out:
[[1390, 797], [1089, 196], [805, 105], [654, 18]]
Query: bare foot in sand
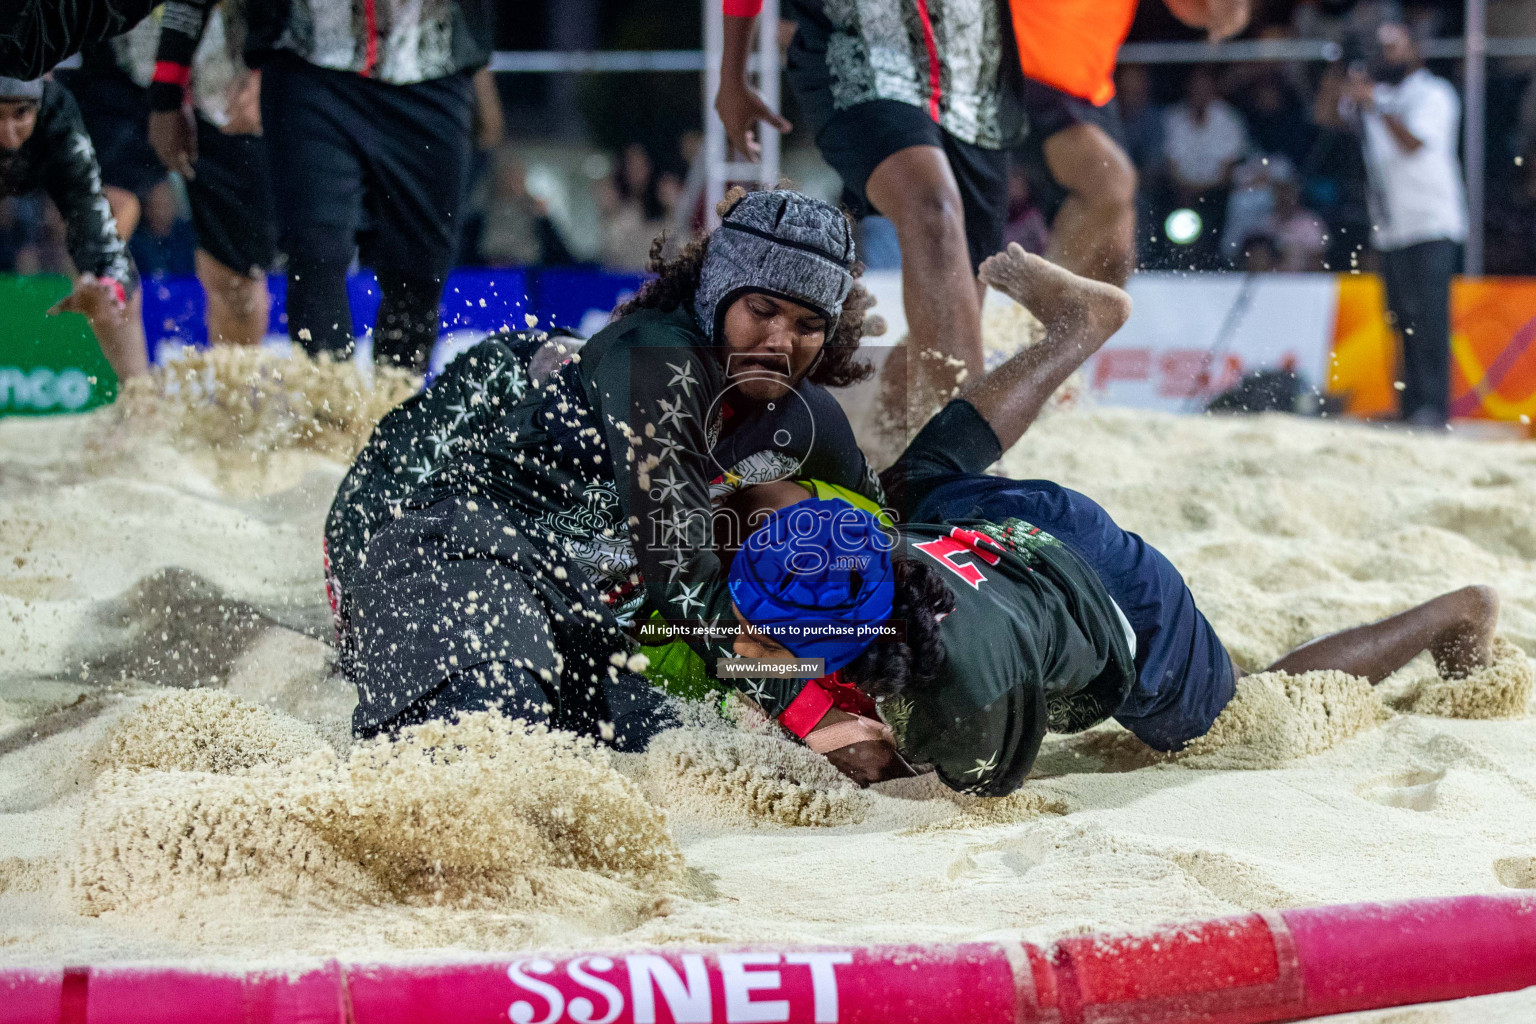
[[1467, 645], [1060, 299]]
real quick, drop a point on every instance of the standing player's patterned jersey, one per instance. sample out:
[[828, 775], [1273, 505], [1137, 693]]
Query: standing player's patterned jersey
[[216, 60], [397, 41], [943, 56]]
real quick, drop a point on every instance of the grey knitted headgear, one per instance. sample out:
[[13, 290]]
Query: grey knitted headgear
[[16, 89], [783, 243]]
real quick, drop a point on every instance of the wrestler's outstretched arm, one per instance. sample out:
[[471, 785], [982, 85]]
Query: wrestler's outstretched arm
[[1079, 317], [1456, 628]]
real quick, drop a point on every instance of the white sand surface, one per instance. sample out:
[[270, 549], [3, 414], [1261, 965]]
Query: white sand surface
[[144, 818]]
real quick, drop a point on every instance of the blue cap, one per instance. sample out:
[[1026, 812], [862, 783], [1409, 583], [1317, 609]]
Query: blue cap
[[817, 578]]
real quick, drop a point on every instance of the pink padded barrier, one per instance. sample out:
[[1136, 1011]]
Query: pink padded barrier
[[1252, 968]]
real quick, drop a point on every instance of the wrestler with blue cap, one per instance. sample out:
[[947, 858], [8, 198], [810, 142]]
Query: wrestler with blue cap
[[787, 586], [1013, 607]]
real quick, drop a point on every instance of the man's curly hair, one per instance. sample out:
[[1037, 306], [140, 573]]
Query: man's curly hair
[[920, 660], [677, 280]]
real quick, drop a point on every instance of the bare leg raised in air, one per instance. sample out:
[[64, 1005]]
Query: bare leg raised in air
[[1079, 316]]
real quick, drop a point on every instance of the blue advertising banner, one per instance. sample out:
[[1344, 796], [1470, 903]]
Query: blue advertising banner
[[481, 300], [581, 299], [52, 364]]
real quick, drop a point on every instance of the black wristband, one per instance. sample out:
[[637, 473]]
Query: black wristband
[[164, 96]]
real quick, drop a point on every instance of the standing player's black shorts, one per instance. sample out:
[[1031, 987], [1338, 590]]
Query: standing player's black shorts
[[116, 115], [856, 140], [1051, 111], [386, 163], [231, 199]]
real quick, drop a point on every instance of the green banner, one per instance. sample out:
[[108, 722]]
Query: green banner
[[48, 364]]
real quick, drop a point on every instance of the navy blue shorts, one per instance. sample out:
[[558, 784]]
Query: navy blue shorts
[[1184, 674]]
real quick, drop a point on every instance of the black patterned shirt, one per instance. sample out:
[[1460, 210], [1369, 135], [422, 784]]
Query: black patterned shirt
[[58, 159], [401, 42], [35, 35], [952, 59], [619, 457], [1034, 643]]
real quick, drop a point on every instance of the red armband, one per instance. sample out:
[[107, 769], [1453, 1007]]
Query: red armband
[[819, 697], [118, 291], [806, 710], [741, 8], [171, 73]]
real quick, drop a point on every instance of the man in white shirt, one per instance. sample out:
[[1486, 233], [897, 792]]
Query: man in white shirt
[[1409, 120], [1203, 137]]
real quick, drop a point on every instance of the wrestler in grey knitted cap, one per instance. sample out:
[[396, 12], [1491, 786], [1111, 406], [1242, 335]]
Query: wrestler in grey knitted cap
[[15, 89], [783, 243]]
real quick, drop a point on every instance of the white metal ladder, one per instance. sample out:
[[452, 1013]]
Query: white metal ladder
[[714, 170]]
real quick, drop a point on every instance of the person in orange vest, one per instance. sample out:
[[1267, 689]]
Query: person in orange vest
[[1067, 51]]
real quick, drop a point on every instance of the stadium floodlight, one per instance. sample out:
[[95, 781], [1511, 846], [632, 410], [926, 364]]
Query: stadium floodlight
[[1183, 226]]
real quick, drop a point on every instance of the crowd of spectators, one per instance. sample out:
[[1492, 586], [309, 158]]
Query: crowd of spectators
[[165, 241], [1270, 187], [32, 234], [1260, 152], [635, 194], [1243, 153], [1256, 150]]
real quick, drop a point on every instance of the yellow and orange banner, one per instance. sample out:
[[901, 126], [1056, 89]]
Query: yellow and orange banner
[[1493, 348]]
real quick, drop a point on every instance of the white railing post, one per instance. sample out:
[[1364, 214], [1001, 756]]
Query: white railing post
[[720, 171], [716, 146], [1475, 103]]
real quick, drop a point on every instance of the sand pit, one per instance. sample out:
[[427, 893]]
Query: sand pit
[[481, 813], [176, 782], [749, 773], [203, 731], [1276, 718], [1502, 690]]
